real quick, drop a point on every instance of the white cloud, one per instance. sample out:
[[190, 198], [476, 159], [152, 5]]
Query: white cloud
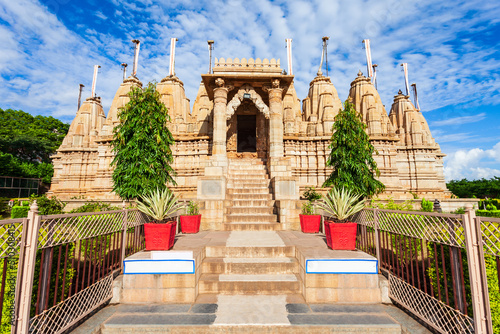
[[101, 15], [460, 120], [472, 164]]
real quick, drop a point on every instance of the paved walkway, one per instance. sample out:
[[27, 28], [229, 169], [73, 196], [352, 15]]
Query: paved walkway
[[250, 314]]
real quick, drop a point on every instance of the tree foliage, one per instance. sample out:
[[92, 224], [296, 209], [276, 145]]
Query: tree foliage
[[28, 138], [141, 143], [351, 155], [477, 188], [26, 143]]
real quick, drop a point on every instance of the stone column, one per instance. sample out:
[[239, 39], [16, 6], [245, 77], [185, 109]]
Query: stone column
[[276, 120], [220, 103]]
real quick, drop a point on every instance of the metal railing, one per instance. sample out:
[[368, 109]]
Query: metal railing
[[435, 266], [65, 265]]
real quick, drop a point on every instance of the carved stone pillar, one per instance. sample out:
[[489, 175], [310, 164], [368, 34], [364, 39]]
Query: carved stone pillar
[[219, 120], [275, 120]]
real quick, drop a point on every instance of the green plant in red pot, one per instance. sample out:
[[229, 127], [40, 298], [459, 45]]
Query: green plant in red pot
[[309, 222], [341, 205], [159, 205], [190, 222]]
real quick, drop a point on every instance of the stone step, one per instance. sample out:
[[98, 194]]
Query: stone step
[[256, 191], [247, 218], [249, 284], [247, 167], [251, 172], [253, 227], [242, 266], [247, 176], [250, 252], [249, 197], [250, 314], [245, 162], [261, 187], [252, 203], [251, 210], [245, 183]]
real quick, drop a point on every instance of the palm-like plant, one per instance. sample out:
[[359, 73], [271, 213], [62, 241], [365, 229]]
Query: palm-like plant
[[159, 204], [342, 204]]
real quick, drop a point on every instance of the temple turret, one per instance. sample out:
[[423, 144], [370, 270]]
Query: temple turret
[[76, 160], [120, 100], [85, 126], [291, 112], [410, 124], [420, 163], [173, 96], [367, 101], [202, 110], [321, 106]]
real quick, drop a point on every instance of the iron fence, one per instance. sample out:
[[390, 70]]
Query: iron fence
[[66, 265], [433, 263]]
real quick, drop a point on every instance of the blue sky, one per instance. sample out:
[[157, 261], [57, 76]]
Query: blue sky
[[49, 47]]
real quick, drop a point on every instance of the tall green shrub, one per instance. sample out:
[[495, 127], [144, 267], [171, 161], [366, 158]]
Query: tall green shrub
[[19, 212], [142, 145], [351, 155]]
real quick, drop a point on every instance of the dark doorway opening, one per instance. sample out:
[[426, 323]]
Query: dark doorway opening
[[247, 133]]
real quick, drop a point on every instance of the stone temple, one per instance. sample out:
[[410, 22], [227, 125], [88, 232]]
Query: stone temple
[[250, 146]]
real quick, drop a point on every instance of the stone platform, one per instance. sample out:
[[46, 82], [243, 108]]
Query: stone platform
[[253, 263]]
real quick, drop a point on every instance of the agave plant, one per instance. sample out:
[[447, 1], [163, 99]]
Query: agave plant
[[342, 204], [159, 204]]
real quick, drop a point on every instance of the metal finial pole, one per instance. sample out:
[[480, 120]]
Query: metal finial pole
[[80, 96], [374, 66], [289, 55], [94, 80], [368, 57], [405, 70], [171, 71], [124, 65], [136, 56], [325, 52], [415, 96], [210, 49]]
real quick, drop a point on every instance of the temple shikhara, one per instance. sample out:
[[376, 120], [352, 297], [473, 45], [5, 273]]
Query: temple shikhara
[[249, 145]]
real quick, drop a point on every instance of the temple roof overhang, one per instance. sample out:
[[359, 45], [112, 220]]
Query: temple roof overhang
[[256, 80]]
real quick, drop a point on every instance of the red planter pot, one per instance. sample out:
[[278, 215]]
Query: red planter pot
[[160, 236], [310, 223], [190, 224], [342, 235]]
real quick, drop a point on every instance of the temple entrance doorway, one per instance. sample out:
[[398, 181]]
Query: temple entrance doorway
[[246, 133]]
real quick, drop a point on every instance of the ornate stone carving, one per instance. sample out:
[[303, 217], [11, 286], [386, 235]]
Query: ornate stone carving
[[238, 98], [219, 82]]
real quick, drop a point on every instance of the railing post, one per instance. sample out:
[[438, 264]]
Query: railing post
[[124, 235], [377, 237], [484, 278], [28, 270], [475, 272]]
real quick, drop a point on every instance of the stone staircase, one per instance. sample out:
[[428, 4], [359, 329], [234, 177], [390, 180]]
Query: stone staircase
[[251, 206], [255, 259]]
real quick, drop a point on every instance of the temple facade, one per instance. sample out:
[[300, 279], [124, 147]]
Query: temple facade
[[247, 111]]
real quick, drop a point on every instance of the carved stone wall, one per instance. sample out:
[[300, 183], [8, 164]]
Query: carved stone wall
[[294, 139]]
